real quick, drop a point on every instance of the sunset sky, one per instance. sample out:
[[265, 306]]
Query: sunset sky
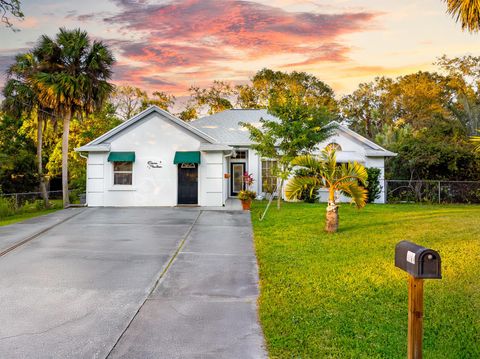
[[170, 45]]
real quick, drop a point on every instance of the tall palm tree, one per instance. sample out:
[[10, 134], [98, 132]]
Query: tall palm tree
[[465, 11], [346, 179], [21, 99], [73, 80]]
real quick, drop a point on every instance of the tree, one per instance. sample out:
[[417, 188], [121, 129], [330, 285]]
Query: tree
[[465, 11], [217, 98], [21, 101], [348, 179], [128, 101], [73, 80], [299, 129], [268, 84], [17, 157], [369, 108], [10, 7], [159, 99]]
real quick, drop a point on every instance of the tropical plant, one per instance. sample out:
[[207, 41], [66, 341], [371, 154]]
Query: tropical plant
[[465, 11], [348, 179], [476, 141], [246, 195], [73, 80]]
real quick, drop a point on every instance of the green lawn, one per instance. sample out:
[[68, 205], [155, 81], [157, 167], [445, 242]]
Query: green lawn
[[30, 211], [340, 296]]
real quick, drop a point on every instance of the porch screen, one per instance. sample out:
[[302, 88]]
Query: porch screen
[[269, 178]]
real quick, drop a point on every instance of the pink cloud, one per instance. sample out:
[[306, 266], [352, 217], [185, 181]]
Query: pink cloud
[[195, 34]]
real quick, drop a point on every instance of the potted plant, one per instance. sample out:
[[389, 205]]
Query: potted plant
[[246, 196]]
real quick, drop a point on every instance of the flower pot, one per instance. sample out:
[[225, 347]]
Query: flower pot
[[246, 203]]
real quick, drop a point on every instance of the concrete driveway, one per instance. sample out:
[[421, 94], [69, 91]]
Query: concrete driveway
[[132, 283]]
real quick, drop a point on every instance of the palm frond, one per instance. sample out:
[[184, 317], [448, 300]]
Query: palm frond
[[353, 190], [467, 12], [297, 185]]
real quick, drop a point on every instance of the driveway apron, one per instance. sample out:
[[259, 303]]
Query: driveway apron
[[205, 305], [104, 284]]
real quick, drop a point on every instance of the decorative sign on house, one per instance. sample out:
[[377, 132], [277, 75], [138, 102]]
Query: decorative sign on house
[[154, 164]]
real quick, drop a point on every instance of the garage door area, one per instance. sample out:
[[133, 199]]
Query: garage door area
[[133, 283]]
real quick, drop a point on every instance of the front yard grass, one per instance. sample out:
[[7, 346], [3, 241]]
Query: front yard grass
[[340, 295], [29, 211]]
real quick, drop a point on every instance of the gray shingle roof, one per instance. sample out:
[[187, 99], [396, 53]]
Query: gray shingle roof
[[224, 126]]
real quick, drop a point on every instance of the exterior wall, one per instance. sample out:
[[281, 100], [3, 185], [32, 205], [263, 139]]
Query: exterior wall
[[95, 179], [254, 168], [211, 179], [152, 139]]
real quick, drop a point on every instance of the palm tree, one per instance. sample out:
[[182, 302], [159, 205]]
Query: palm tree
[[346, 179], [465, 11], [476, 141], [21, 99], [73, 80]]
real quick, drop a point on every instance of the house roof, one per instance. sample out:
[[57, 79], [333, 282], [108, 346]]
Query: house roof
[[222, 130], [224, 126], [99, 143]]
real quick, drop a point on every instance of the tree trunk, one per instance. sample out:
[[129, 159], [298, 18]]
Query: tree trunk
[[279, 194], [332, 217], [66, 132], [42, 185]]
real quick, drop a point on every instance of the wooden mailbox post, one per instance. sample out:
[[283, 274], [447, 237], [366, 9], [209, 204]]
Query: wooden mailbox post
[[420, 263]]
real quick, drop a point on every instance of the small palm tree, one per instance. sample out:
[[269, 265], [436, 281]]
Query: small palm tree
[[476, 141], [73, 80], [465, 11], [346, 178]]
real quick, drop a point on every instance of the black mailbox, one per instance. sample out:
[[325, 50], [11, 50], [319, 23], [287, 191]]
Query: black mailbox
[[418, 261]]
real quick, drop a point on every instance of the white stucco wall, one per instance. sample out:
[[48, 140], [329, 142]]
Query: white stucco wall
[[152, 139]]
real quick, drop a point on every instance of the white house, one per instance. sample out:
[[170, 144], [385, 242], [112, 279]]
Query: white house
[[156, 159]]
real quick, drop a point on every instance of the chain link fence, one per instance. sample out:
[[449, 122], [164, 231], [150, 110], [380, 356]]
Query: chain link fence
[[19, 199], [418, 191]]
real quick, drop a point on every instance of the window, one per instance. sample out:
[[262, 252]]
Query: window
[[122, 173], [333, 146], [240, 155], [269, 179]]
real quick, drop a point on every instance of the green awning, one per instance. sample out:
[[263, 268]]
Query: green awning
[[187, 157], [121, 157]]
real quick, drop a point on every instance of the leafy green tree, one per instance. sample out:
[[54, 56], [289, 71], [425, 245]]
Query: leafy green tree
[[159, 99], [73, 81], [267, 84], [467, 12], [369, 108], [17, 157], [215, 99], [21, 101], [348, 179], [299, 129], [128, 101]]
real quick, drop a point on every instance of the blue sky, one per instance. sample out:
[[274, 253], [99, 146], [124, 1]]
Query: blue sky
[[170, 45]]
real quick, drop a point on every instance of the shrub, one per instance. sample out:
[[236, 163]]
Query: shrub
[[7, 207], [373, 185]]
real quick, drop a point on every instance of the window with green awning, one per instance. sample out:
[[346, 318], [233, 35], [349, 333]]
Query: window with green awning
[[121, 157], [187, 157]]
